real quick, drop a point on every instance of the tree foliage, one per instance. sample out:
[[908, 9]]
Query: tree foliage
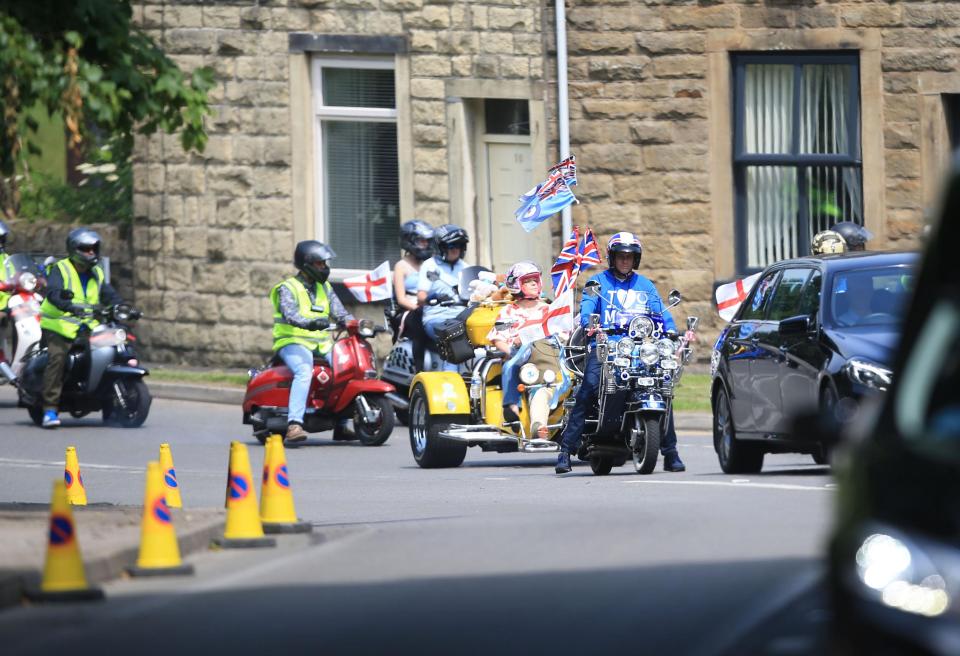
[[85, 60]]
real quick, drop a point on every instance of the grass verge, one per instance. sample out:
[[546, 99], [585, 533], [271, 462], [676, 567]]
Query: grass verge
[[693, 393], [199, 377]]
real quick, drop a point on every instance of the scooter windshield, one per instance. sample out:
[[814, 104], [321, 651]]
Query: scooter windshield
[[19, 263], [467, 276], [623, 306]]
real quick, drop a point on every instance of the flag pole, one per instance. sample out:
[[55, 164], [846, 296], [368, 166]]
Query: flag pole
[[563, 111]]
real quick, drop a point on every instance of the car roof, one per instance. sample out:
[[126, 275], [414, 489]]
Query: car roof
[[845, 261]]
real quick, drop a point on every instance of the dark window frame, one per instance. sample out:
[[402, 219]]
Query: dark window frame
[[741, 159]]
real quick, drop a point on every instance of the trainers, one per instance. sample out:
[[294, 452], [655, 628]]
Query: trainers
[[51, 419], [510, 415], [563, 463], [673, 463], [295, 433]]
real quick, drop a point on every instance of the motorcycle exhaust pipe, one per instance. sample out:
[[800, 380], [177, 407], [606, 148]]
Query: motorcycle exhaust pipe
[[397, 401], [7, 373]]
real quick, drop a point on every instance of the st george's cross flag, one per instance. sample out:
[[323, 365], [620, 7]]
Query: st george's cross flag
[[730, 296], [557, 317], [372, 286]]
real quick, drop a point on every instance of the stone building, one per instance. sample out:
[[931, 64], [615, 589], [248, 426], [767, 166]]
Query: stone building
[[724, 133]]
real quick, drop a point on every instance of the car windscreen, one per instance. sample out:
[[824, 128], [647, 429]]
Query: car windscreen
[[869, 297]]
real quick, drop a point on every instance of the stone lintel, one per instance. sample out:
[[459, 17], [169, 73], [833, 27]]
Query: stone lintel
[[347, 43]]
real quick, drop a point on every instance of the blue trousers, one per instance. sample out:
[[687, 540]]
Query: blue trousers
[[510, 374], [573, 432], [430, 325], [299, 360]]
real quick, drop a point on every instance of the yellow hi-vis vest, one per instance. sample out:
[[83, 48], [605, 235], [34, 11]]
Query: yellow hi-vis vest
[[285, 333], [64, 323], [4, 296]]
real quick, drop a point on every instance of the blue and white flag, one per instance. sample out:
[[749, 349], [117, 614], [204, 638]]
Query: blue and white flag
[[545, 200]]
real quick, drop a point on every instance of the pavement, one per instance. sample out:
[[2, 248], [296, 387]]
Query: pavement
[[109, 535]]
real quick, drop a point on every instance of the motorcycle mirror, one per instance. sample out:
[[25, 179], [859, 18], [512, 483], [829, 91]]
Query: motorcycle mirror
[[673, 297], [594, 320], [692, 323], [592, 289]]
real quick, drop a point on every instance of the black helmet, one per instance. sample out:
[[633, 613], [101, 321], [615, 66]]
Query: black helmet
[[624, 242], [310, 258], [4, 231], [83, 247], [413, 231], [855, 235], [451, 236]]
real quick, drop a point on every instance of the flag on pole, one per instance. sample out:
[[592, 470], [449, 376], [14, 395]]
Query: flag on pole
[[730, 296], [548, 197], [564, 272], [372, 286], [588, 254], [556, 317], [567, 169]]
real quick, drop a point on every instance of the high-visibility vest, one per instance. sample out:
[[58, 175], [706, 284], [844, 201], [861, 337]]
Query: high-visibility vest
[[64, 323], [4, 296], [285, 333]]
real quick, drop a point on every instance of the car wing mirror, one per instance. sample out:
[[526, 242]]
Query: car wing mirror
[[592, 289], [673, 298], [795, 326]]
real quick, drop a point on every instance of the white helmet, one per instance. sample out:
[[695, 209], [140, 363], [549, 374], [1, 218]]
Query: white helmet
[[828, 242], [518, 272]]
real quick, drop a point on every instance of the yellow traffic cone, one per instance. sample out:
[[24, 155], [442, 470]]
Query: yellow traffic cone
[[63, 576], [76, 493], [243, 527], [170, 482], [276, 498], [159, 551]]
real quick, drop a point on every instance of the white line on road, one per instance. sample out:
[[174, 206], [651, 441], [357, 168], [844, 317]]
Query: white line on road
[[58, 464], [735, 483]]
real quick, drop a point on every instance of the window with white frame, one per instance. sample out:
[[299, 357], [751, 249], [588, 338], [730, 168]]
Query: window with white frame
[[358, 190], [797, 161]]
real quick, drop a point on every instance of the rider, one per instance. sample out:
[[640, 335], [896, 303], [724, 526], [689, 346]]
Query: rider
[[524, 281], [302, 307], [4, 296], [62, 315], [855, 235], [416, 239], [623, 256], [440, 277]]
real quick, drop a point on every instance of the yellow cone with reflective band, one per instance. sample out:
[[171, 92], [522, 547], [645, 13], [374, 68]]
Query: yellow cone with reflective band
[[63, 575], [170, 483], [76, 493], [243, 528], [277, 511], [159, 551]]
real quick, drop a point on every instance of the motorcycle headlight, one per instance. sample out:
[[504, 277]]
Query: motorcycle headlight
[[365, 328], [668, 364], [649, 353], [625, 347], [549, 376], [28, 281], [666, 347], [529, 374], [869, 374], [640, 327]]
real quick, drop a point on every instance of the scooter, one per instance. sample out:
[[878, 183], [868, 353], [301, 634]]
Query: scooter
[[344, 386], [102, 373], [23, 279]]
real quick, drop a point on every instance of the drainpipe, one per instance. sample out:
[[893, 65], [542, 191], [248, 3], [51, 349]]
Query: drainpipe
[[563, 110]]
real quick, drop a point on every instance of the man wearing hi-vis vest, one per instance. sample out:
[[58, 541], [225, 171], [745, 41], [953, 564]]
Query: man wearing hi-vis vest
[[62, 316], [302, 307]]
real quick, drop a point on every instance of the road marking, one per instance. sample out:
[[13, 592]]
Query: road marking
[[58, 464], [740, 480], [495, 478], [763, 486]]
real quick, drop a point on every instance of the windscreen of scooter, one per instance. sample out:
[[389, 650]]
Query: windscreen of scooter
[[17, 264], [469, 274]]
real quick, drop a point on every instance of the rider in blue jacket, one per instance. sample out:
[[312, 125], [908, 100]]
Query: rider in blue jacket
[[620, 288]]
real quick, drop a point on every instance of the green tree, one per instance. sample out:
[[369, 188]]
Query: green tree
[[85, 60]]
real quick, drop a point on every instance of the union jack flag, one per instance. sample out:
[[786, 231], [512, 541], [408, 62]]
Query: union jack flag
[[567, 267], [568, 169], [588, 254]]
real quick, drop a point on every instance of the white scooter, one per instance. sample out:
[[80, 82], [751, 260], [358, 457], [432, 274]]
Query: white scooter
[[22, 278]]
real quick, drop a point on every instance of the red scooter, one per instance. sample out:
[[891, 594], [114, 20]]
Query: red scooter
[[344, 385]]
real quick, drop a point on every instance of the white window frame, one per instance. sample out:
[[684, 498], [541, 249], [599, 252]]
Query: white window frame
[[322, 112]]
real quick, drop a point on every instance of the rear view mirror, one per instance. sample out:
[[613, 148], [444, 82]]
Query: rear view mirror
[[592, 289], [794, 326], [673, 298], [692, 323], [594, 320]]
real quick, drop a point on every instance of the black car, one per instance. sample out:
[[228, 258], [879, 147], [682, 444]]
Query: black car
[[814, 332]]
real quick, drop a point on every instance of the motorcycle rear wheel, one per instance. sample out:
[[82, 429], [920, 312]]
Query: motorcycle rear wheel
[[430, 450], [36, 414], [647, 447], [376, 433], [136, 394], [601, 466]]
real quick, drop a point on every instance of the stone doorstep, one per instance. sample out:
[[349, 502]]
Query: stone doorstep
[[109, 538]]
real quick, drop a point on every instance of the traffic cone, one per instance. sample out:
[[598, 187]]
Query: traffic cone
[[159, 551], [169, 477], [76, 493], [243, 527], [63, 576], [276, 498]]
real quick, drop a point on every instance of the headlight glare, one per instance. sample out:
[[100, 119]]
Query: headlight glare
[[649, 353], [28, 281], [640, 327], [869, 374]]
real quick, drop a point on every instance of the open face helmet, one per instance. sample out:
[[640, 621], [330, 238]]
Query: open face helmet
[[413, 232], [827, 242], [310, 258], [450, 236], [855, 235], [520, 273], [83, 247], [624, 242]]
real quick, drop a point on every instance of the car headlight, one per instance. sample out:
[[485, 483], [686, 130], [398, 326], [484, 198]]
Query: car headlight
[[640, 327], [666, 347], [28, 281], [869, 374], [649, 353], [625, 347], [529, 374], [901, 573]]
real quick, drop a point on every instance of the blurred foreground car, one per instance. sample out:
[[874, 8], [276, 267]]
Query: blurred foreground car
[[895, 552], [815, 332]]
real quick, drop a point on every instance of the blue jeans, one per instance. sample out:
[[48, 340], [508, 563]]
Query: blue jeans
[[578, 416], [510, 374], [299, 360], [430, 325]]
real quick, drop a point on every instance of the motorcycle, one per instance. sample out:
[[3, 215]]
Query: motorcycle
[[344, 386], [102, 373], [637, 379], [21, 278]]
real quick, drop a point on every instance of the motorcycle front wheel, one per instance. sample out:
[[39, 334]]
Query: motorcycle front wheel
[[135, 408], [377, 432], [646, 444]]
